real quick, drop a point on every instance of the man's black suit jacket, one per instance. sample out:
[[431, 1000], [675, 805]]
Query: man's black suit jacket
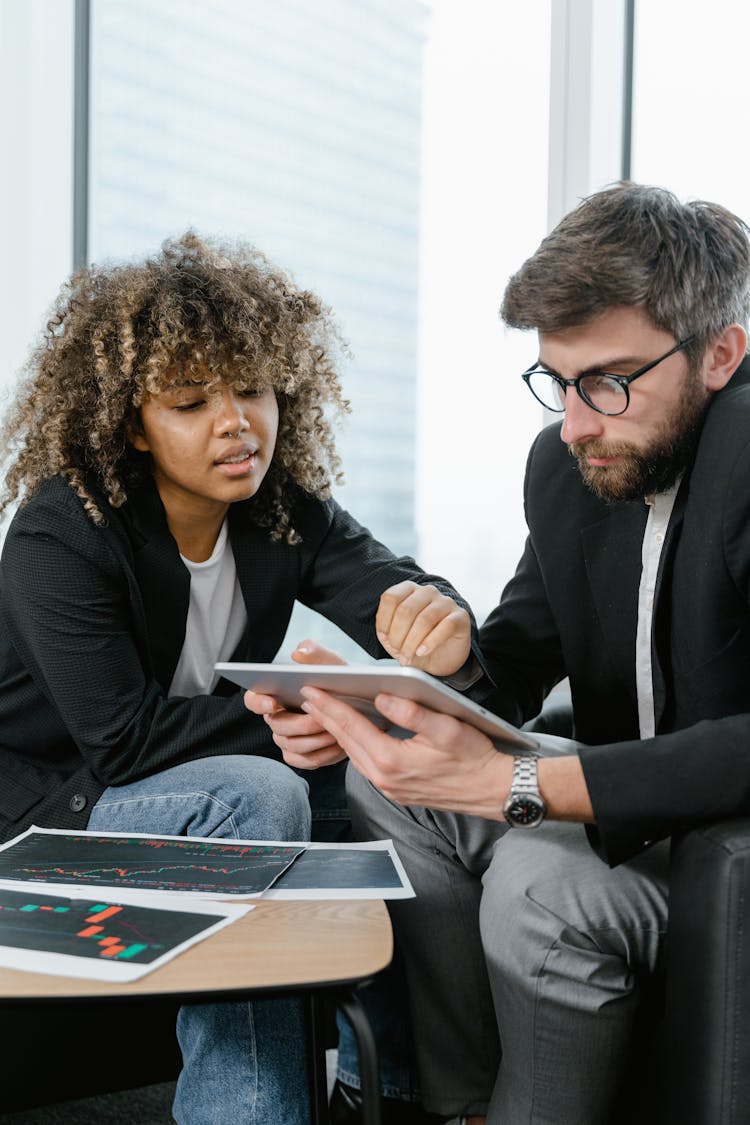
[[92, 621], [571, 610]]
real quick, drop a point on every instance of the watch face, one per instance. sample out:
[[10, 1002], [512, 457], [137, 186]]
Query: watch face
[[524, 810]]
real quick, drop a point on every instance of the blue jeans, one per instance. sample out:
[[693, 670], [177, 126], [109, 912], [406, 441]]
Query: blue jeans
[[383, 999], [246, 1062], [243, 1063]]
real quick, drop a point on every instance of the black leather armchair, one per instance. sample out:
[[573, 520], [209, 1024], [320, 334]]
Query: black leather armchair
[[690, 1052], [707, 997], [690, 1057]]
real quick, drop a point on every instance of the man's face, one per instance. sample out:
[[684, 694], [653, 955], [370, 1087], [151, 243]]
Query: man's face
[[645, 449]]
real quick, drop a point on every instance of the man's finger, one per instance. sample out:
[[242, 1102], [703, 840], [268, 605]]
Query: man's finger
[[433, 726]]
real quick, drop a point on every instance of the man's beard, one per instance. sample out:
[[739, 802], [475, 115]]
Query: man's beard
[[640, 472]]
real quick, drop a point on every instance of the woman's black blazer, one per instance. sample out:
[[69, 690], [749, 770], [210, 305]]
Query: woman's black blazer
[[92, 621]]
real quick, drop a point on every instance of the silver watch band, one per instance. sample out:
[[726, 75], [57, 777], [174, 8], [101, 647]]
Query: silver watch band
[[525, 778]]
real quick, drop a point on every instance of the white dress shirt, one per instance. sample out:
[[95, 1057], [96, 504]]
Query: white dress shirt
[[660, 511]]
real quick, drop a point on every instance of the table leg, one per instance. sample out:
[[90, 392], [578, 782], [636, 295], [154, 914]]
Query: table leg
[[369, 1072], [314, 1009]]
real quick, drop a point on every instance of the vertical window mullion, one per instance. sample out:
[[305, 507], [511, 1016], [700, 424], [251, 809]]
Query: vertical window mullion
[[82, 68], [590, 99]]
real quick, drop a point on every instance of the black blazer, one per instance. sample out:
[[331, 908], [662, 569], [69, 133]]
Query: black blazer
[[571, 610], [92, 621]]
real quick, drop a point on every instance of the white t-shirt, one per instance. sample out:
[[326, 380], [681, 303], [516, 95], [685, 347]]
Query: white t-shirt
[[215, 622]]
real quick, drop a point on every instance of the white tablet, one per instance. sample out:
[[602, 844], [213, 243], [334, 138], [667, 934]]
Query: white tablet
[[358, 684]]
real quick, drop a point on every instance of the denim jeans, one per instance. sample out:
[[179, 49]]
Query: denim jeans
[[243, 1063], [383, 999]]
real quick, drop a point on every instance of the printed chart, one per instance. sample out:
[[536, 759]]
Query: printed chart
[[340, 868], [146, 863], [132, 865], [56, 934]]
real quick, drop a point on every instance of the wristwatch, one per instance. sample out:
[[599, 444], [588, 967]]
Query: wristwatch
[[524, 806]]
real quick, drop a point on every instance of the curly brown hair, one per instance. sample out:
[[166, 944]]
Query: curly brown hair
[[120, 333]]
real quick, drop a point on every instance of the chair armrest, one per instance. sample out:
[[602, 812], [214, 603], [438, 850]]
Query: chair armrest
[[556, 715], [708, 977]]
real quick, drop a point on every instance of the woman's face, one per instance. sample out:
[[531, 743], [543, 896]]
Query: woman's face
[[209, 446]]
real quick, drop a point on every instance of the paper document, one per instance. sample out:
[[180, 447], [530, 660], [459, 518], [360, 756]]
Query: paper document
[[135, 864], [101, 938]]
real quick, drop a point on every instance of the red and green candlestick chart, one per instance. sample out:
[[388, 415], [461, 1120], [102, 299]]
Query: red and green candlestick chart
[[87, 928]]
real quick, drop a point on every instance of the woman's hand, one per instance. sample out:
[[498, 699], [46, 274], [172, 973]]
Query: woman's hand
[[304, 742], [420, 627], [417, 625]]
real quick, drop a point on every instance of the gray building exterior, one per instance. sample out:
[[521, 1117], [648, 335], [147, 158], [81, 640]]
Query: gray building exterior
[[295, 125]]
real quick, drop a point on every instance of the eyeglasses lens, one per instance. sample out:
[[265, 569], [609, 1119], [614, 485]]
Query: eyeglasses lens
[[547, 390], [604, 393]]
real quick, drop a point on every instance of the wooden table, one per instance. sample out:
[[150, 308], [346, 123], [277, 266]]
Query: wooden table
[[278, 947]]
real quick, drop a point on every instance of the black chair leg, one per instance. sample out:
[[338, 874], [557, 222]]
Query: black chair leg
[[369, 1071], [316, 1060]]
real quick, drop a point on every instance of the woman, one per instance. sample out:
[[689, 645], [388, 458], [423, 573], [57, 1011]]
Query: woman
[[172, 453]]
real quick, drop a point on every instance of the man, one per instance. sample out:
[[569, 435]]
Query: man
[[635, 584]]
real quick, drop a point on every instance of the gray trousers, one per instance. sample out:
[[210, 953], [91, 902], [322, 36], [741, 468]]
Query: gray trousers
[[524, 938]]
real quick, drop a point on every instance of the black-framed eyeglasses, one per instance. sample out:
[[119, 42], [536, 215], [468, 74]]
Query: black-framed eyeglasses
[[607, 394]]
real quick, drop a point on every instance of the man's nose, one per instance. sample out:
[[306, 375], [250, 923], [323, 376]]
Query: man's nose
[[581, 422]]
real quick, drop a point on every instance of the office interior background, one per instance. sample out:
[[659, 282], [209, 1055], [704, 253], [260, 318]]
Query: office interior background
[[401, 158]]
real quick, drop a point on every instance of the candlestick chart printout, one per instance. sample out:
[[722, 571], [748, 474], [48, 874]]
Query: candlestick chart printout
[[145, 863], [88, 928], [102, 938]]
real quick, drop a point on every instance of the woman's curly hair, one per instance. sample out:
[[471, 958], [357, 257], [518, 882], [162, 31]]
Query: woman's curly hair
[[120, 333]]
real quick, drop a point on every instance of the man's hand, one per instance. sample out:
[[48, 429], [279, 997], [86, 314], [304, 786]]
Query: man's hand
[[304, 743], [423, 628], [447, 764]]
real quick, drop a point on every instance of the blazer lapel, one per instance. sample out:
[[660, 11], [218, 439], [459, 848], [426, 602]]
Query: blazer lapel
[[163, 580], [612, 550], [268, 574]]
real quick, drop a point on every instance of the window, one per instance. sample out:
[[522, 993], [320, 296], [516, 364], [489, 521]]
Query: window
[[380, 150], [36, 99], [690, 97], [375, 149], [484, 211]]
